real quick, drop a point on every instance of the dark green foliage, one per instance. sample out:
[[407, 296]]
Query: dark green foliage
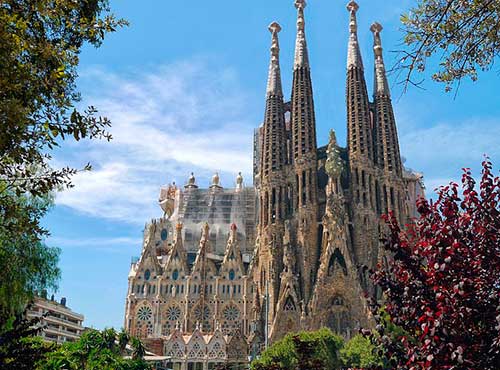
[[304, 350], [19, 348], [96, 351]]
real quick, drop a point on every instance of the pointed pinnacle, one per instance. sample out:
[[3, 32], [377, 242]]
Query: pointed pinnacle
[[275, 28], [353, 54], [353, 24], [206, 228], [301, 53], [376, 28], [274, 78]]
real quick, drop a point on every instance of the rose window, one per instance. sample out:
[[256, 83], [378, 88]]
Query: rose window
[[144, 313], [231, 313], [202, 314], [173, 313]]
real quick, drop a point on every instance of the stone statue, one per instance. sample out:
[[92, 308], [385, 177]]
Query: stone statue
[[167, 199]]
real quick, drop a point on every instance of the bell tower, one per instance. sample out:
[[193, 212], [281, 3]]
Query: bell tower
[[272, 177], [305, 162], [363, 174], [387, 154]]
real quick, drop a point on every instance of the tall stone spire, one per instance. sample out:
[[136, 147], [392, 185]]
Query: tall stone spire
[[381, 86], [273, 153], [274, 80], [301, 53], [387, 152], [272, 180], [353, 54], [362, 171], [305, 161], [359, 130], [302, 105]]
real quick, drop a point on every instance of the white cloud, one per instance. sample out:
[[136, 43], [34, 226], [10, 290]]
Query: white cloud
[[167, 122], [442, 150]]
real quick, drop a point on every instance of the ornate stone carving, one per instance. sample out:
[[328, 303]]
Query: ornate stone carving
[[334, 163]]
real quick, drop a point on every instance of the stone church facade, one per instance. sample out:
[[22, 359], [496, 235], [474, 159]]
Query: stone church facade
[[250, 264]]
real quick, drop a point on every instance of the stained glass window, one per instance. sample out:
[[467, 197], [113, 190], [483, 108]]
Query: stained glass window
[[175, 274], [202, 314], [147, 275], [144, 313], [231, 313], [173, 313], [232, 275]]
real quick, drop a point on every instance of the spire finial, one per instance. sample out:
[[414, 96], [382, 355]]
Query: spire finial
[[274, 80], [275, 28], [353, 54], [300, 5], [381, 85], [353, 6], [301, 54], [233, 232], [376, 28], [206, 229]]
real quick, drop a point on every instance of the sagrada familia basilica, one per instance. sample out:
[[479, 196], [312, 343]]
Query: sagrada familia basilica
[[228, 270]]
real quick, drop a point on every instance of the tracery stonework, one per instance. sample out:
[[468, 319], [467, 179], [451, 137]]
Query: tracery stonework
[[223, 262]]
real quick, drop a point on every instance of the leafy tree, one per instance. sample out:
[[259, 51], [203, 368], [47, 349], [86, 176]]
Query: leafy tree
[[304, 350], [463, 34], [26, 263], [359, 352], [19, 348], [96, 350], [442, 285], [39, 55]]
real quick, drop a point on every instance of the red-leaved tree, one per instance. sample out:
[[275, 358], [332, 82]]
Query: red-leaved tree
[[441, 283]]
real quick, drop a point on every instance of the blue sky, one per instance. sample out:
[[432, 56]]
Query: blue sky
[[184, 87]]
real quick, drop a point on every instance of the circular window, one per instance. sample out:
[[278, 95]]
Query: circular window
[[144, 313], [202, 314], [175, 275], [231, 313], [173, 313], [164, 234], [232, 275], [147, 275]]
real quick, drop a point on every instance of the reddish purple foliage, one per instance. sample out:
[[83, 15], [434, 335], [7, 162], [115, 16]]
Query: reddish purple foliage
[[442, 284]]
